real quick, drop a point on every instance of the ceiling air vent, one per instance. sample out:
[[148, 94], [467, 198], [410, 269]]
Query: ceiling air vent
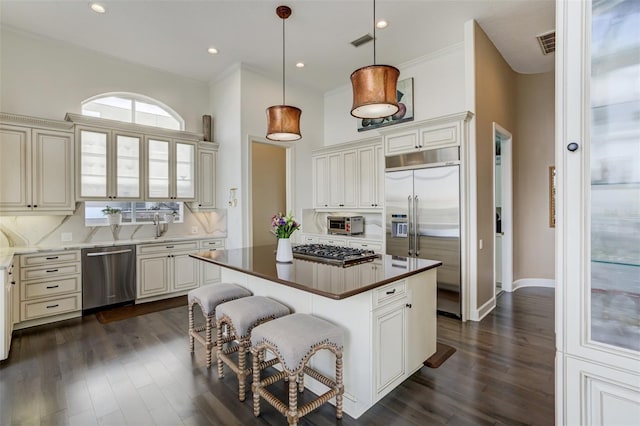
[[547, 42], [362, 40]]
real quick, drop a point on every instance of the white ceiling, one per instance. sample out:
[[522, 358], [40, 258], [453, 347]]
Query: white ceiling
[[174, 35]]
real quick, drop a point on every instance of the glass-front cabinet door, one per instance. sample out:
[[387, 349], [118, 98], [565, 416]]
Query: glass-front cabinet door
[[171, 169], [185, 188], [598, 213], [127, 166], [158, 169], [110, 165], [94, 152]]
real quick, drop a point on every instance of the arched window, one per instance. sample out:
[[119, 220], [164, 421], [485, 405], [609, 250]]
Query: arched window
[[132, 108]]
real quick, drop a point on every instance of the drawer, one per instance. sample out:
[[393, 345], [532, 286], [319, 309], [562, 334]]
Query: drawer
[[212, 244], [389, 293], [39, 289], [167, 247], [332, 241], [52, 271], [50, 258], [368, 245], [53, 306]]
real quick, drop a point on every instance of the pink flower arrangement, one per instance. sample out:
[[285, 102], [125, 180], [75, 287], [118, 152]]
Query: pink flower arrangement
[[283, 226]]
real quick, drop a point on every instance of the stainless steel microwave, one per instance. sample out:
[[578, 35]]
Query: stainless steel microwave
[[345, 225]]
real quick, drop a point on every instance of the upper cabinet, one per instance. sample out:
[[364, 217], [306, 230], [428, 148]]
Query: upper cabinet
[[206, 188], [126, 161], [171, 169], [110, 164], [349, 176], [441, 132], [36, 166]]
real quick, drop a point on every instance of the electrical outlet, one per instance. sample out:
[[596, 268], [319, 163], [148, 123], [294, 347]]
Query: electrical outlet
[[66, 236], [194, 229]]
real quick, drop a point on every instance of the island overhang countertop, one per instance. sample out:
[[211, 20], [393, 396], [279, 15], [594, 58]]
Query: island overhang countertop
[[317, 277]]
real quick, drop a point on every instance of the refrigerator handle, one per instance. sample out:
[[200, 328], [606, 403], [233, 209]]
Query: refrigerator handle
[[416, 239], [410, 222]]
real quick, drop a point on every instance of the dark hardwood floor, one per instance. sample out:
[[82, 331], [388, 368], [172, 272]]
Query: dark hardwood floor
[[139, 372]]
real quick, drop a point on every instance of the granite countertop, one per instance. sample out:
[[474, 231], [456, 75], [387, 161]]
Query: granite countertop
[[7, 253], [335, 282]]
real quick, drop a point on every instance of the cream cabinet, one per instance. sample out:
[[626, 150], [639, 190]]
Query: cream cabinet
[[404, 323], [50, 285], [349, 176], [437, 133], [7, 285], [166, 268], [171, 169], [206, 178], [36, 168], [210, 273], [109, 164]]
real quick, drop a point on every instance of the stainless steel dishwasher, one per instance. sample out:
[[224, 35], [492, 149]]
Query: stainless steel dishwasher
[[108, 276]]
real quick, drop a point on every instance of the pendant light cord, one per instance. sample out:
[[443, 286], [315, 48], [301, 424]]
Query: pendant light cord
[[283, 71], [374, 32]]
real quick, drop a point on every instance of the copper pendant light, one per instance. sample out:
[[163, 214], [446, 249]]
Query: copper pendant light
[[374, 87], [283, 121]]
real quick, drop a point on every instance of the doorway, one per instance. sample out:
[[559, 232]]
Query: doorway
[[268, 189], [503, 205]]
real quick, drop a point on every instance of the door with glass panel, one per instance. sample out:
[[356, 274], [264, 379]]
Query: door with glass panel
[[598, 213], [110, 165], [171, 169]]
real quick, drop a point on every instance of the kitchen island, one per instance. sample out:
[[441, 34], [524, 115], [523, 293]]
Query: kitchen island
[[386, 306]]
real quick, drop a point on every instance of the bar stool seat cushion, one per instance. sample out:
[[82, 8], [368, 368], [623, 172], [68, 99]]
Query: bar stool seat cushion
[[246, 312], [211, 296], [296, 335]]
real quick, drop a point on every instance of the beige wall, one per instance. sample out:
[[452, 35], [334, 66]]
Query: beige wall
[[268, 188], [533, 239], [495, 101]]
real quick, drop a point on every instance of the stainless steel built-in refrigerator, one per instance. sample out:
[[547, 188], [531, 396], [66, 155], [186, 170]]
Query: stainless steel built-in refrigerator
[[422, 202]]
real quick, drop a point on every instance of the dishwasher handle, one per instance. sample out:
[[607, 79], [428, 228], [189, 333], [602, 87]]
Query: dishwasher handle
[[108, 253]]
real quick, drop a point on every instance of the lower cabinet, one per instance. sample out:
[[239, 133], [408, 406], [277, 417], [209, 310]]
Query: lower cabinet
[[404, 325], [7, 284], [389, 343], [166, 268], [50, 285], [210, 273]]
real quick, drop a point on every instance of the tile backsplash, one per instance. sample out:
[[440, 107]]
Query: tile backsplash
[[18, 231]]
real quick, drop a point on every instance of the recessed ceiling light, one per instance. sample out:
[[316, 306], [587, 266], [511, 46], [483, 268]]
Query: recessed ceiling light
[[300, 65], [98, 8], [382, 24], [212, 50]]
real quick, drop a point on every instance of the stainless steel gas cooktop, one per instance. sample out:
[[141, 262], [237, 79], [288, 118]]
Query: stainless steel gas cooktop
[[342, 256]]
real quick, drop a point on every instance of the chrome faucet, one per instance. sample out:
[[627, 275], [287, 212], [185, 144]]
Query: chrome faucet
[[161, 228]]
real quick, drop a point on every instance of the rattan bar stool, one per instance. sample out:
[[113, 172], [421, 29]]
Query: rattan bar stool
[[238, 318], [294, 339], [208, 297]]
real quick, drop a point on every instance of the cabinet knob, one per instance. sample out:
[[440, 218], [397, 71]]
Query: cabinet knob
[[28, 205], [35, 206], [409, 305], [573, 146]]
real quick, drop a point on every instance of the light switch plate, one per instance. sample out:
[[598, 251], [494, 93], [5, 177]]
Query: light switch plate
[[66, 236]]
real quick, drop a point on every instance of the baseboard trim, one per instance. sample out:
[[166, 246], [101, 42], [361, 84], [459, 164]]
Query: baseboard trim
[[533, 282], [483, 311]]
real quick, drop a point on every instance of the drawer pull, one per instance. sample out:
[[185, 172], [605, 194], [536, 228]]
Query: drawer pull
[[51, 270], [52, 306], [364, 245], [53, 257], [169, 246], [53, 286], [391, 291]]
